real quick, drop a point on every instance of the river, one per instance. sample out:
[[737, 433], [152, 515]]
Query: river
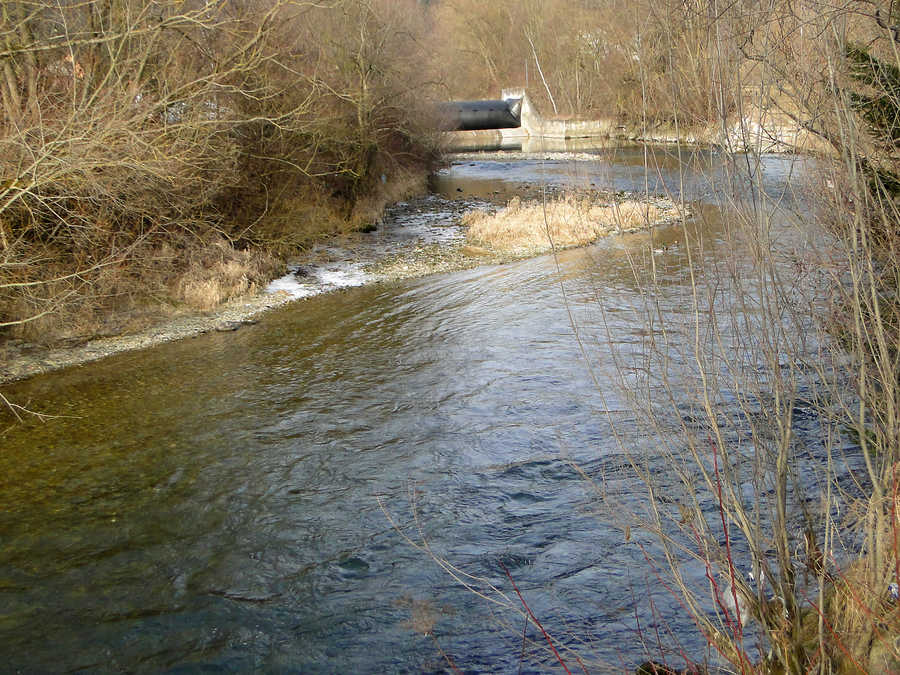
[[221, 503]]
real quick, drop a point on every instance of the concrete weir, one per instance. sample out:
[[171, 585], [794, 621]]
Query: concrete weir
[[758, 130], [531, 128]]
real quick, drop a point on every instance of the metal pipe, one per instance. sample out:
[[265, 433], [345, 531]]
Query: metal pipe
[[474, 115]]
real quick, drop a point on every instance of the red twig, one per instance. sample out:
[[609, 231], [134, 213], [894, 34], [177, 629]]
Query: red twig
[[446, 656], [739, 630], [837, 639], [717, 595], [583, 669], [535, 619], [679, 598]]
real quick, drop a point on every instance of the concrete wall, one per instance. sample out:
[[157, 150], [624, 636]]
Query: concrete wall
[[534, 124], [757, 131]]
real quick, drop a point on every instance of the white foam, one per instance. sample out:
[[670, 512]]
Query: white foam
[[407, 224], [319, 280], [343, 277], [293, 286]]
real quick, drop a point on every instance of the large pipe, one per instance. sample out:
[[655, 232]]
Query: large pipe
[[475, 115]]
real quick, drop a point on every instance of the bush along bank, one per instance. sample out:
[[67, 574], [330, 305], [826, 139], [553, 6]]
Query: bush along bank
[[162, 158]]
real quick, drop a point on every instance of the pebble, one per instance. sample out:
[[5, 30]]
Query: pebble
[[24, 360]]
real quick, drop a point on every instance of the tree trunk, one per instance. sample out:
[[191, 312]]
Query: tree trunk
[[12, 101]]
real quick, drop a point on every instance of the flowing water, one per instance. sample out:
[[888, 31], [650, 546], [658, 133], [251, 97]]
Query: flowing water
[[220, 503]]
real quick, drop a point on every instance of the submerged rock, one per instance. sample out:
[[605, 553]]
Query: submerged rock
[[229, 326]]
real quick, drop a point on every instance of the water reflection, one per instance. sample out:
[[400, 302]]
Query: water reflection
[[694, 174], [513, 141]]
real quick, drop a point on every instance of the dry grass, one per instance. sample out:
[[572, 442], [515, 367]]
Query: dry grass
[[296, 222], [221, 273], [529, 228], [404, 184], [160, 281], [191, 125]]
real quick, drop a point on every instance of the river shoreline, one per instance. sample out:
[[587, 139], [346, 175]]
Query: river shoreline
[[448, 251], [24, 360]]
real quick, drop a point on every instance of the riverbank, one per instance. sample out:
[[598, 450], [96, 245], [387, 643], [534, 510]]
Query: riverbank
[[757, 130], [22, 359], [417, 237]]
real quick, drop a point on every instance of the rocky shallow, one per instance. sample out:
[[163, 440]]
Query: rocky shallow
[[422, 236], [22, 360], [441, 249]]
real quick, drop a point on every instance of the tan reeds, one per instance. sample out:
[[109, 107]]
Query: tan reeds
[[531, 227]]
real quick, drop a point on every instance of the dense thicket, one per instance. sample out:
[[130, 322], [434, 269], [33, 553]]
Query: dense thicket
[[604, 58], [141, 142], [696, 62]]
